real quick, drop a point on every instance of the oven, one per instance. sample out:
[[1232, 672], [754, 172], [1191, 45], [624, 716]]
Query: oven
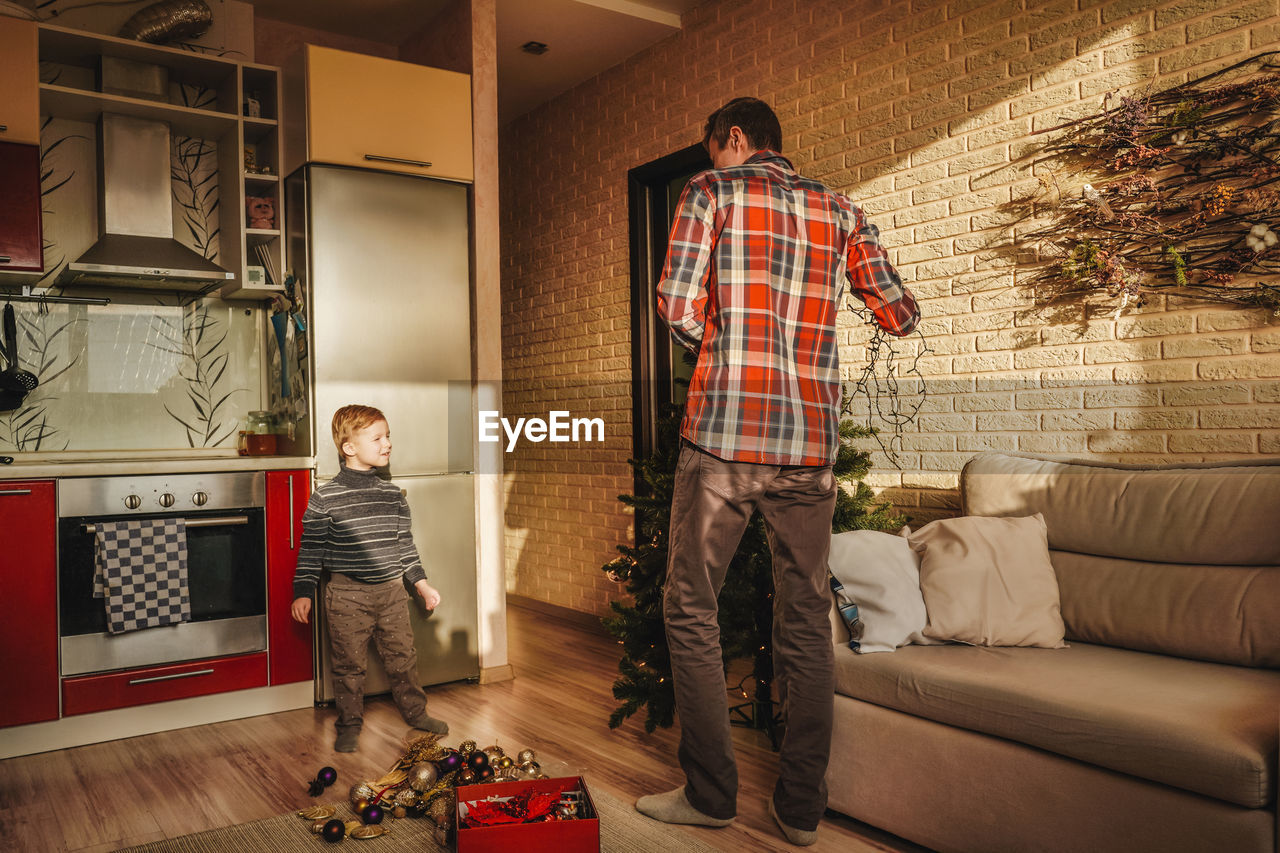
[[226, 568]]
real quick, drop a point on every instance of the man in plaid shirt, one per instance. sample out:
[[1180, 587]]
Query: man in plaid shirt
[[753, 284]]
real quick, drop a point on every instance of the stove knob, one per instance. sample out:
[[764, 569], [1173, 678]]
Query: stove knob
[[166, 500], [132, 501], [200, 498]]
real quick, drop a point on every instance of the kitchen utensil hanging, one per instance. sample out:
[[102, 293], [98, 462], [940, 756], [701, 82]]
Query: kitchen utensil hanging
[[14, 379]]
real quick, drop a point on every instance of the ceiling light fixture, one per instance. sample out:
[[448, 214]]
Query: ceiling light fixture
[[536, 48]]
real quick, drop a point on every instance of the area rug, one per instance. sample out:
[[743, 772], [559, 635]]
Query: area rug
[[622, 830]]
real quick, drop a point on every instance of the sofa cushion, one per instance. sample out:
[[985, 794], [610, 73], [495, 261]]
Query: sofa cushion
[[989, 582], [1229, 614], [881, 575], [1167, 543], [1221, 514], [1203, 727]]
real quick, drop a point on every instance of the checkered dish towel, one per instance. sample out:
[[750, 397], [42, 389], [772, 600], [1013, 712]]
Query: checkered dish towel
[[140, 568]]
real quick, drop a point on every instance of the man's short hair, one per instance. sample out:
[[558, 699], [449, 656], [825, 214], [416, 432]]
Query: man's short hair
[[349, 420], [757, 119]]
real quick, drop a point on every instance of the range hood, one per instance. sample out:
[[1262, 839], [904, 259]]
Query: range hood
[[136, 248]]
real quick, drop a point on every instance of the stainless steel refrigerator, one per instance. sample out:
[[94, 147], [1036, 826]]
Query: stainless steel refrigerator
[[385, 263]]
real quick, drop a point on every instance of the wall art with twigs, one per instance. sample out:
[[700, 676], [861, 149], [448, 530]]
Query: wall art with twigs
[[1173, 192]]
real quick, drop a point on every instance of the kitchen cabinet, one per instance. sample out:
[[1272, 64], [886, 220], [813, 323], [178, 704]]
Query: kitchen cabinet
[[21, 243], [288, 642], [350, 109], [29, 606], [19, 69], [88, 693]]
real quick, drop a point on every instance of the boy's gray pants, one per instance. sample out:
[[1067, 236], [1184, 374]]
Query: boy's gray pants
[[355, 612]]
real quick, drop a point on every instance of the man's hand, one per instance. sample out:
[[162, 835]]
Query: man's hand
[[301, 610], [429, 594]]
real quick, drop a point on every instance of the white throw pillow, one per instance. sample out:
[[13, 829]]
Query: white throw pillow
[[881, 574]]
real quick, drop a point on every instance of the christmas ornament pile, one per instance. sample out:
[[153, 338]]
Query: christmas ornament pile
[[420, 784]]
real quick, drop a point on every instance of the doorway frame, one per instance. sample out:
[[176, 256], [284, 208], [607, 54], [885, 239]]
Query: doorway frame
[[648, 200]]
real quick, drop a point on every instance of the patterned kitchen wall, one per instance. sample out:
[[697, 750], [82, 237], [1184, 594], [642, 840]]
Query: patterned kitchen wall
[[150, 371], [133, 377]]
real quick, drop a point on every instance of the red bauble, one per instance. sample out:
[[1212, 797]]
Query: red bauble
[[478, 761]]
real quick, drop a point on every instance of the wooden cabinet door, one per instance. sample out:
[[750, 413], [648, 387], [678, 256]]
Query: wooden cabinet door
[[29, 605], [21, 248], [288, 642], [19, 69], [389, 115]]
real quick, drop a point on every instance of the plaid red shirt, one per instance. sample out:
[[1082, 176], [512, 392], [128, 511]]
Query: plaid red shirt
[[753, 281]]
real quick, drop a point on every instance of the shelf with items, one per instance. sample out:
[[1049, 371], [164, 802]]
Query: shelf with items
[[259, 178]]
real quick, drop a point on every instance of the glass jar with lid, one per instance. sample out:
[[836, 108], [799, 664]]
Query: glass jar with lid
[[258, 438]]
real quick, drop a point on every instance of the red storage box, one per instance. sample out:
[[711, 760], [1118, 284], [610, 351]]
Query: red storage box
[[580, 835]]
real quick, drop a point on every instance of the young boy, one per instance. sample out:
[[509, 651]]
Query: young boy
[[357, 526]]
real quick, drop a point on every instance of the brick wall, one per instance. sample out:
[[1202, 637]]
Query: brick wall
[[922, 112]]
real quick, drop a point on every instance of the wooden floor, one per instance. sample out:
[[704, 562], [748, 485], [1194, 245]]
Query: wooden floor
[[110, 795]]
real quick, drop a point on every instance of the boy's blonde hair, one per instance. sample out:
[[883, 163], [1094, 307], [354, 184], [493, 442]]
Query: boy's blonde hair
[[348, 420]]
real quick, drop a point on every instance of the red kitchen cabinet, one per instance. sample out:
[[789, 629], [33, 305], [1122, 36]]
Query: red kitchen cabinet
[[288, 642], [21, 244], [88, 693], [29, 605]]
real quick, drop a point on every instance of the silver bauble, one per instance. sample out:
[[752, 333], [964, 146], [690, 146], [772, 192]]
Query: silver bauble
[[423, 776]]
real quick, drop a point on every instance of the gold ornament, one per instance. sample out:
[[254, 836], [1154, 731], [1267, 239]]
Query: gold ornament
[[399, 811], [318, 826], [467, 747], [361, 791], [422, 776], [353, 825], [525, 756], [466, 776], [317, 812], [367, 831], [505, 762], [494, 754], [407, 798]]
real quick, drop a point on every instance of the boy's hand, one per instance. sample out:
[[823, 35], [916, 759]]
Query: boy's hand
[[430, 595], [301, 610]]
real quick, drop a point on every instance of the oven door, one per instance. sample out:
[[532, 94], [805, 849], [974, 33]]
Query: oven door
[[227, 582]]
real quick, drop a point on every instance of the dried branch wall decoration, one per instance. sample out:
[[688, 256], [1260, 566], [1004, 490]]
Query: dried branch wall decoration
[[1169, 192]]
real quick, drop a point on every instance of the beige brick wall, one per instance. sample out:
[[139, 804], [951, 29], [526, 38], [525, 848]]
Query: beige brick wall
[[920, 111]]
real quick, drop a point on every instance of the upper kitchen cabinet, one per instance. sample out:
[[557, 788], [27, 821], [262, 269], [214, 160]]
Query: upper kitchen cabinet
[[20, 106], [188, 147], [21, 242], [355, 110]]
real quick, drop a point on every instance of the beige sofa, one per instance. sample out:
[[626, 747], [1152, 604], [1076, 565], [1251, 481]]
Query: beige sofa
[[1155, 730]]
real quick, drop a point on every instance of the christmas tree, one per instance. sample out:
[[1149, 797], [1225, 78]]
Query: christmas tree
[[746, 600]]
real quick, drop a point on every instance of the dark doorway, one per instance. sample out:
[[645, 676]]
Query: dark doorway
[[656, 360]]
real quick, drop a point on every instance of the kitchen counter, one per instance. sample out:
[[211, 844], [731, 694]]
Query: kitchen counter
[[46, 468]]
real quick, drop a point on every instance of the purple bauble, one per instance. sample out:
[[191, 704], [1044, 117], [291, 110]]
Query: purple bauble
[[372, 814], [327, 776], [451, 762]]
